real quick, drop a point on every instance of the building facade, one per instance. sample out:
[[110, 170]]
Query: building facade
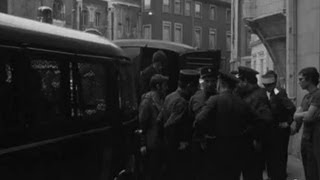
[[241, 37], [124, 19], [200, 23], [61, 10], [260, 58]]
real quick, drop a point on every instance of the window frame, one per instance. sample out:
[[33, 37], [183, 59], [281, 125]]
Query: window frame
[[185, 10], [146, 8], [181, 7], [176, 25], [200, 40], [164, 23], [215, 12], [200, 12], [213, 31], [164, 7], [143, 29], [97, 17], [228, 33], [228, 19]]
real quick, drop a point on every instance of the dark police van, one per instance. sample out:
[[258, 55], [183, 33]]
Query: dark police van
[[59, 103]]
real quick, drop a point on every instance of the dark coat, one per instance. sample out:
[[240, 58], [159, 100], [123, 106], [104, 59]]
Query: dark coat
[[224, 115], [282, 107], [149, 109], [175, 119]]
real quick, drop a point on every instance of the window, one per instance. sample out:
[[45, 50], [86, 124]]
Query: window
[[212, 39], [228, 15], [59, 10], [85, 17], [197, 9], [228, 41], [166, 30], [147, 31], [178, 32], [198, 36], [147, 4], [97, 19], [93, 90], [166, 6], [187, 8], [212, 12], [177, 6]]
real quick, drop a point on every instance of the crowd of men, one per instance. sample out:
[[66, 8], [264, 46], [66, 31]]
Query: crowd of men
[[226, 126]]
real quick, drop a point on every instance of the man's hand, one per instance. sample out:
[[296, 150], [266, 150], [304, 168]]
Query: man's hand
[[143, 150], [183, 146], [293, 128]]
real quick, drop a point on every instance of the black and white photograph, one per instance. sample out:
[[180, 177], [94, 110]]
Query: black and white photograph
[[159, 89]]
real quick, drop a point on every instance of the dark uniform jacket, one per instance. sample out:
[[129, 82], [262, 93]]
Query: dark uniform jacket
[[282, 107], [196, 102], [175, 120], [224, 115], [149, 109]]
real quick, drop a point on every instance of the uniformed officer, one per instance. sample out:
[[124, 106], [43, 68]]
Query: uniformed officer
[[150, 106], [208, 76], [225, 117], [256, 97], [177, 125], [282, 110]]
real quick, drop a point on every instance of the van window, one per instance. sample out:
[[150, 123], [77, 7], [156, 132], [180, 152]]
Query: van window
[[93, 90]]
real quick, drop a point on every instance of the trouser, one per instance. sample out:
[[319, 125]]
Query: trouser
[[198, 154], [153, 165], [277, 155], [310, 151], [225, 158], [271, 152], [178, 164]]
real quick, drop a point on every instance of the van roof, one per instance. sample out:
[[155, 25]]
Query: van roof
[[21, 32], [152, 43]]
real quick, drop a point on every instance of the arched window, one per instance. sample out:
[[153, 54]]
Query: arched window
[[58, 10]]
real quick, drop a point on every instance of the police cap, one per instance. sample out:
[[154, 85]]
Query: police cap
[[159, 56], [228, 78], [158, 78], [208, 71], [189, 75], [246, 73]]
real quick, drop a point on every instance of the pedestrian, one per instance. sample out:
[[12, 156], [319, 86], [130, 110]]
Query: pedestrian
[[150, 106], [158, 60], [256, 97], [282, 109], [177, 125], [209, 77], [308, 115], [225, 118]]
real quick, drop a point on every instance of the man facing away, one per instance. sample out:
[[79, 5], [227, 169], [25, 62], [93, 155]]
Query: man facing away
[[177, 125], [225, 117]]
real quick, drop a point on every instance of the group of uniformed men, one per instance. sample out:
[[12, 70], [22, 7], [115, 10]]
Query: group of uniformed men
[[227, 128]]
